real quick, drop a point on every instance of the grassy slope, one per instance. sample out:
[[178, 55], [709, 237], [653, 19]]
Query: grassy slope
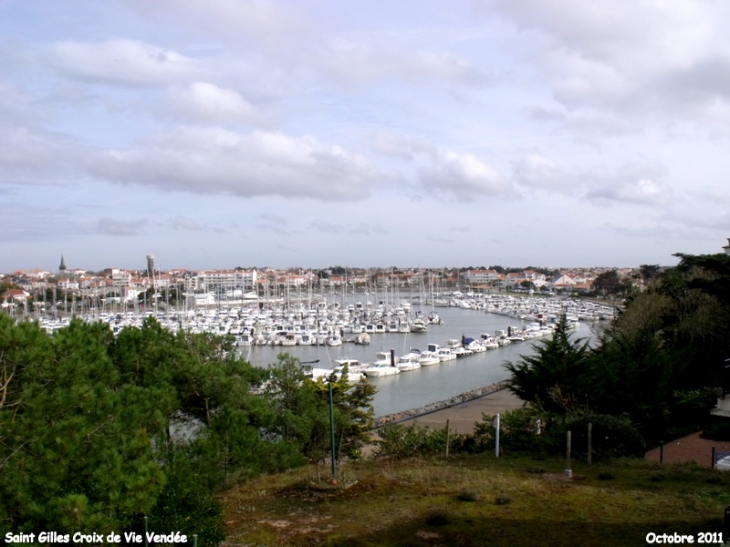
[[416, 503]]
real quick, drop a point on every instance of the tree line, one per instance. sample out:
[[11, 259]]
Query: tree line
[[658, 367], [99, 431]]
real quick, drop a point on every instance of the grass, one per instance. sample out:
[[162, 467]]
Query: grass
[[420, 502]]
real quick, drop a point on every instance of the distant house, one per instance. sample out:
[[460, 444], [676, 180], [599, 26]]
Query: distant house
[[562, 281], [18, 295]]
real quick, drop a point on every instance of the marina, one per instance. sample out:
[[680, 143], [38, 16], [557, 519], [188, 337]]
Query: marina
[[459, 343]]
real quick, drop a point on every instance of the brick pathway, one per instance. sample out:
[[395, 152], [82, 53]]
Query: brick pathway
[[691, 447]]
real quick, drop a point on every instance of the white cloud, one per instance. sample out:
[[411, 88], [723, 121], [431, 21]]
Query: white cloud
[[464, 176], [120, 62], [206, 102], [630, 57], [641, 183], [215, 161], [360, 63], [391, 143], [269, 22], [536, 171]]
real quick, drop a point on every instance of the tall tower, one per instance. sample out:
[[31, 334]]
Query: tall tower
[[62, 266], [151, 265], [726, 248]]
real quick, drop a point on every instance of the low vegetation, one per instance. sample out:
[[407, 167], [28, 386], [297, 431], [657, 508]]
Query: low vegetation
[[476, 500]]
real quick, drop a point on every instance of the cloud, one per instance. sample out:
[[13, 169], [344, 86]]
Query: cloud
[[327, 227], [634, 58], [36, 157], [217, 161], [185, 223], [358, 63], [268, 22], [366, 229], [120, 62], [641, 183], [536, 171], [206, 102], [22, 222], [462, 175], [116, 227], [391, 144], [274, 218]]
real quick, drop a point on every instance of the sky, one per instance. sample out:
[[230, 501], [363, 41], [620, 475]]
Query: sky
[[314, 133]]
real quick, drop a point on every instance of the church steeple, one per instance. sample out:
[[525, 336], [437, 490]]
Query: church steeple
[[62, 267]]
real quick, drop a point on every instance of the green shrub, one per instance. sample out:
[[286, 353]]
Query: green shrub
[[502, 499], [399, 441], [612, 437], [468, 495]]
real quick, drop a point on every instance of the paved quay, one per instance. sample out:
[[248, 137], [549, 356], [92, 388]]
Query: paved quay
[[462, 411]]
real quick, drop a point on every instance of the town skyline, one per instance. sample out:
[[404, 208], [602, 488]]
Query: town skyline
[[309, 134]]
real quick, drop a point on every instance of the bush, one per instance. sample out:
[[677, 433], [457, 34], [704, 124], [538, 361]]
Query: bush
[[399, 441], [612, 437], [502, 499], [468, 495], [518, 431]]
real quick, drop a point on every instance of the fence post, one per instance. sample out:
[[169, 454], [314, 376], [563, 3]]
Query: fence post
[[661, 451], [568, 470], [447, 437], [714, 454], [496, 436], [590, 443]]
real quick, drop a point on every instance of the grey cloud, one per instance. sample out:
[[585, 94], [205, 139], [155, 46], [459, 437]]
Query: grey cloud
[[116, 227], [185, 223], [271, 217], [363, 228], [328, 227], [23, 222], [216, 161]]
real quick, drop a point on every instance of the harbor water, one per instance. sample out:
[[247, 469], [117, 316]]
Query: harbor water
[[419, 387]]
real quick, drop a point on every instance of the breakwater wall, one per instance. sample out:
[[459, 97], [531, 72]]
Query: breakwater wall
[[456, 400]]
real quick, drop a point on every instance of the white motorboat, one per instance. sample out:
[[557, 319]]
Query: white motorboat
[[380, 369], [429, 358], [410, 361], [445, 354], [381, 366]]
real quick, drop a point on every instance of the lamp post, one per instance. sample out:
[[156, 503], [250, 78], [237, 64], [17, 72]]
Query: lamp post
[[332, 431]]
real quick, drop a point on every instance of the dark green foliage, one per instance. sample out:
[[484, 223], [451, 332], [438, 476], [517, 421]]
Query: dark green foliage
[[554, 377], [612, 437], [185, 504], [400, 441], [301, 410], [660, 364], [97, 431], [517, 430]]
